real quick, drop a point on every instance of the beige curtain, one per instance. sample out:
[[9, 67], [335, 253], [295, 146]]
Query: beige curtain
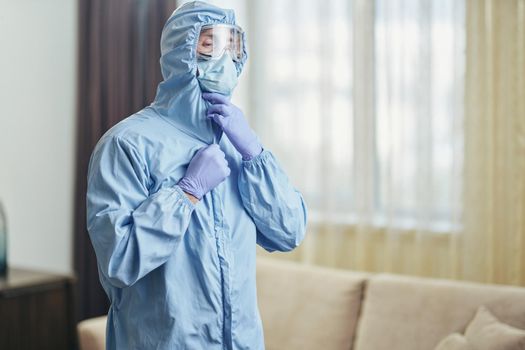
[[489, 242], [494, 240]]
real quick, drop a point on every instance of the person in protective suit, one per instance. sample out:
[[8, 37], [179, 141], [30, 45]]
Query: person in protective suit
[[180, 193]]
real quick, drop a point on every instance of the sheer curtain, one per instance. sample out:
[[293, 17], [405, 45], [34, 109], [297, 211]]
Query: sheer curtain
[[362, 102], [402, 122]]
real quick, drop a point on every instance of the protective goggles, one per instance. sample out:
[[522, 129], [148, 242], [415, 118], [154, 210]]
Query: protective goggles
[[215, 39]]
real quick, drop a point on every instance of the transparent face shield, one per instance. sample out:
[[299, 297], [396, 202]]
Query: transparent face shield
[[215, 39]]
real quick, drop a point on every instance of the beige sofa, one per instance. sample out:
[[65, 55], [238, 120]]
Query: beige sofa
[[305, 307]]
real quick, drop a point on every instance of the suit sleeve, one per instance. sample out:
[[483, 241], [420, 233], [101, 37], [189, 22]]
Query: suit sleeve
[[132, 231], [276, 207]]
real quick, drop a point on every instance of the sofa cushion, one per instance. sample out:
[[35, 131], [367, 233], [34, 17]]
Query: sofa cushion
[[486, 332], [416, 313], [455, 341], [306, 307]]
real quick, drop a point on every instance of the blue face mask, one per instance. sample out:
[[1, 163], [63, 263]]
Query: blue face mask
[[218, 75]]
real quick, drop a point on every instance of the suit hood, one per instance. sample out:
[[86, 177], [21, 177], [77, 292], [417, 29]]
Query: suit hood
[[179, 96]]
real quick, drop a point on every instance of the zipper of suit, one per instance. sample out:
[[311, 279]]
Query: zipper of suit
[[218, 221]]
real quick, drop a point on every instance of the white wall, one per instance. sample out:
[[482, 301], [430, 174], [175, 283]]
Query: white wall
[[37, 129]]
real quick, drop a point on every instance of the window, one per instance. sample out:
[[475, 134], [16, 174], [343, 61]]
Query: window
[[362, 102]]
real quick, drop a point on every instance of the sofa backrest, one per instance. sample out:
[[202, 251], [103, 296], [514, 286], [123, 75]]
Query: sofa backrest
[[411, 313], [306, 307]]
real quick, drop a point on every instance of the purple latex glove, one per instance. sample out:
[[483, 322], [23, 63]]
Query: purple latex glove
[[232, 121], [207, 169]]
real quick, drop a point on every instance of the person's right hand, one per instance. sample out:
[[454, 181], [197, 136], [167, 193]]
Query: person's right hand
[[206, 170]]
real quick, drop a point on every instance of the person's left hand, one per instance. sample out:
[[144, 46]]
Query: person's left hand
[[232, 121]]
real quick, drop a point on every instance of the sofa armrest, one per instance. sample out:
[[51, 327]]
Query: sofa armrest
[[92, 333]]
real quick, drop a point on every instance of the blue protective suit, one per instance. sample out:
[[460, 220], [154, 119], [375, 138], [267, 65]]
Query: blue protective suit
[[179, 275]]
